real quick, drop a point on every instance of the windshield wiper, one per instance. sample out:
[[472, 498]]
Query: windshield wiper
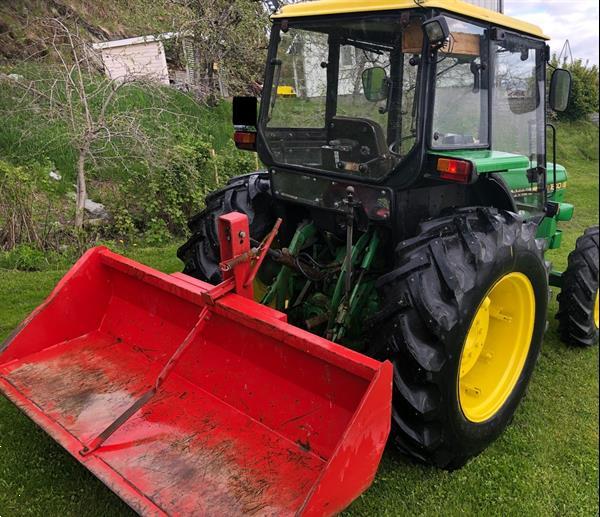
[[448, 69], [369, 47]]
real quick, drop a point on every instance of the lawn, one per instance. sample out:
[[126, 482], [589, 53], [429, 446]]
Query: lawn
[[545, 464]]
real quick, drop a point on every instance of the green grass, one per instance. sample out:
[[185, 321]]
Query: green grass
[[546, 463], [26, 136]]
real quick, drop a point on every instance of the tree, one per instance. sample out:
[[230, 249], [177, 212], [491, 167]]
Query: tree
[[230, 40], [71, 89]]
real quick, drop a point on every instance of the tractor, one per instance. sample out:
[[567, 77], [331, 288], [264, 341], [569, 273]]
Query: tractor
[[383, 280], [417, 200]]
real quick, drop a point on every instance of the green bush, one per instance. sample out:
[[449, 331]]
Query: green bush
[[157, 201], [584, 95], [25, 258], [231, 162], [31, 208], [157, 233]]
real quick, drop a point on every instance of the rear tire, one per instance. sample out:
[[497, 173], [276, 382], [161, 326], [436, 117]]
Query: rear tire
[[249, 194], [578, 300], [443, 277]]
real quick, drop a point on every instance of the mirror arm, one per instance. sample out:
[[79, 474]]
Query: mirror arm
[[388, 101], [476, 71]]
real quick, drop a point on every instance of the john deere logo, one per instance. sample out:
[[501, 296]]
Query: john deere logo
[[534, 188]]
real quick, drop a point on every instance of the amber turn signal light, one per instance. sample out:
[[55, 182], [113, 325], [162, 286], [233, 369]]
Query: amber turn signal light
[[245, 140], [455, 170]]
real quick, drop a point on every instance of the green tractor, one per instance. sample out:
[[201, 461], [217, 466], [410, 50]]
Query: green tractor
[[410, 170]]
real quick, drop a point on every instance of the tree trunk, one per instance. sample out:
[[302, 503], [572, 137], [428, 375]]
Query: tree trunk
[[81, 189], [361, 63]]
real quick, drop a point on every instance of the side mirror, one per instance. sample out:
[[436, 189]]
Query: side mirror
[[245, 111], [375, 84], [560, 89], [437, 31]]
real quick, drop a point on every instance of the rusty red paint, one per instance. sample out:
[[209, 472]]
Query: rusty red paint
[[257, 417]]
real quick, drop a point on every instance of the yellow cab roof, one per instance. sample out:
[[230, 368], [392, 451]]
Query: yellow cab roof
[[326, 7]]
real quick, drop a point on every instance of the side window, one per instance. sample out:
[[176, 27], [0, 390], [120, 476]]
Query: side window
[[460, 117], [518, 96], [518, 124], [299, 75]]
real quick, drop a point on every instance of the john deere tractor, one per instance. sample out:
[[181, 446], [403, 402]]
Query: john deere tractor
[[418, 197]]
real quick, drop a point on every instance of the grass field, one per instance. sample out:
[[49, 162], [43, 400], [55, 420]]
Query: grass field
[[545, 464]]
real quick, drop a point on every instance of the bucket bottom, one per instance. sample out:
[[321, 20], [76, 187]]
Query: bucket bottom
[[186, 451]]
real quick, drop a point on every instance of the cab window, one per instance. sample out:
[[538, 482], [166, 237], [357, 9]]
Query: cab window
[[460, 116]]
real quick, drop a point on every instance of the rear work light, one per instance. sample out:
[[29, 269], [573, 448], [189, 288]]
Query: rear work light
[[455, 170], [245, 140]]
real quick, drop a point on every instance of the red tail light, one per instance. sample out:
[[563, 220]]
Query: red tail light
[[245, 140], [455, 170]]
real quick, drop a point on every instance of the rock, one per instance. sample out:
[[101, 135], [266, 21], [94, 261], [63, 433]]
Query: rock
[[98, 210]]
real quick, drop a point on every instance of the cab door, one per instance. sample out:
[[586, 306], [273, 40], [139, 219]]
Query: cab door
[[518, 114]]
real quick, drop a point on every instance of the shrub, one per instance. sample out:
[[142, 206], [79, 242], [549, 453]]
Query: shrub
[[24, 257], [31, 209], [584, 95], [231, 162], [157, 233], [158, 200]]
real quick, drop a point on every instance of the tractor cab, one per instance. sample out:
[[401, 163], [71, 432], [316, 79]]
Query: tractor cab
[[407, 95]]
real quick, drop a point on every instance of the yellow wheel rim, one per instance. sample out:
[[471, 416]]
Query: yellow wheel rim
[[496, 347], [596, 311]]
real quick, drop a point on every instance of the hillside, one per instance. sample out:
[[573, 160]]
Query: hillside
[[22, 36]]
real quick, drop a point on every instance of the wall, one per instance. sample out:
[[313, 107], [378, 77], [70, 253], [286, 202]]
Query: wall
[[144, 60]]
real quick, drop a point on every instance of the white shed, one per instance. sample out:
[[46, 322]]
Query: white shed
[[142, 57], [494, 5]]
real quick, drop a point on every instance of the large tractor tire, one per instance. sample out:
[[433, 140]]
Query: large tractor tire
[[578, 300], [248, 194], [466, 314]]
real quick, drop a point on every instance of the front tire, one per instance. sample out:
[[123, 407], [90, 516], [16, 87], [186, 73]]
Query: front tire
[[461, 285], [578, 300]]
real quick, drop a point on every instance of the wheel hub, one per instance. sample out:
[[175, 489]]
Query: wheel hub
[[496, 347], [476, 338]]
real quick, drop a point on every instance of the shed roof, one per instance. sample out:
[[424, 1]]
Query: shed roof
[[134, 41]]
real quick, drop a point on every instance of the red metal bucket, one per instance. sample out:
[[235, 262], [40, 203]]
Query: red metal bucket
[[258, 417]]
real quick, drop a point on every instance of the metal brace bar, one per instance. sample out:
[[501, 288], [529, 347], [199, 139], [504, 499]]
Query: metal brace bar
[[162, 376]]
